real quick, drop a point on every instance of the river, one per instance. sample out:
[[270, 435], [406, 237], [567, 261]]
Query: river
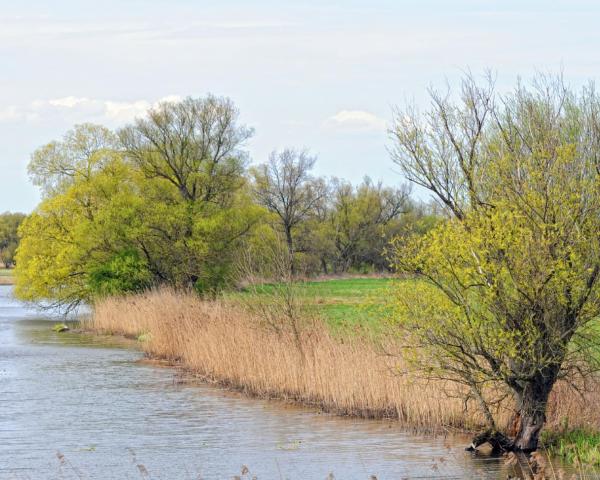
[[85, 407]]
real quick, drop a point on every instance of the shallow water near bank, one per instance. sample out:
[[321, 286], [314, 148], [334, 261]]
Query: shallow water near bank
[[80, 406]]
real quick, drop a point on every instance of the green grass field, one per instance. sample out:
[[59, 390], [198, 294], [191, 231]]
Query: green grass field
[[347, 303], [6, 276]]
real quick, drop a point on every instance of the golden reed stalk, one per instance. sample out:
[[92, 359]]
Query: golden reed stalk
[[224, 343]]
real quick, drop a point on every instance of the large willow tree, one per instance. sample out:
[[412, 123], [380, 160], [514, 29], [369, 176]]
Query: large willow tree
[[163, 201], [510, 297]]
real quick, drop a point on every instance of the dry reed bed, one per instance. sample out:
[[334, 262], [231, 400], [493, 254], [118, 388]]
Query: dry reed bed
[[224, 343]]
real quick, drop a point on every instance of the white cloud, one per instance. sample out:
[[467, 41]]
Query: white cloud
[[126, 111], [80, 109], [355, 121], [67, 102]]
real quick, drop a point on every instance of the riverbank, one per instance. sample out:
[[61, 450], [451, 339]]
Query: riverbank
[[122, 417], [225, 344]]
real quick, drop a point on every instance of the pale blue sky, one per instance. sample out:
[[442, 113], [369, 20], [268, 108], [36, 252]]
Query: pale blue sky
[[316, 74]]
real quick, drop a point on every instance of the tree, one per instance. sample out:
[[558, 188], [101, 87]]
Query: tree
[[285, 187], [82, 151], [509, 297], [71, 235], [191, 154], [193, 145], [361, 217], [9, 238], [111, 222]]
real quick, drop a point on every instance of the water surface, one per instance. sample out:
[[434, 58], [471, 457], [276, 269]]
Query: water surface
[[79, 406]]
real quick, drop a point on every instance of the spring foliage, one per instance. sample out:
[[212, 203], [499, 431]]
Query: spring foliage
[[123, 212], [512, 295]]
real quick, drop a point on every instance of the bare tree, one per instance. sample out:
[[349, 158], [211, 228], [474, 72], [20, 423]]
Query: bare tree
[[285, 187]]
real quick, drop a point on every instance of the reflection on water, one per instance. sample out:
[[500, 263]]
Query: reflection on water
[[75, 406]]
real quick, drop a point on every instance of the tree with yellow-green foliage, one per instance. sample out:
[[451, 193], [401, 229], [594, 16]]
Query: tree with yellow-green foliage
[[162, 201], [509, 297], [362, 221], [71, 233]]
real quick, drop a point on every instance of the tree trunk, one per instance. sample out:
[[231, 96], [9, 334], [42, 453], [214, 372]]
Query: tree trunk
[[290, 245], [532, 403], [324, 266], [530, 417]]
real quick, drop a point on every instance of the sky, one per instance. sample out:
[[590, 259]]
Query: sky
[[323, 75]]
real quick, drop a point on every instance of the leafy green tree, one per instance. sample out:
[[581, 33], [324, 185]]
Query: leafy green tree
[[509, 300], [82, 151], [72, 233], [196, 210], [9, 238], [122, 214], [315, 247], [362, 221], [286, 188]]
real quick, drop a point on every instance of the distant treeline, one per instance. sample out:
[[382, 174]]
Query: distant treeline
[[9, 239], [171, 199]]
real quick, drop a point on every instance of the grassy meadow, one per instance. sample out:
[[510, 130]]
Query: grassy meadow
[[6, 276], [345, 304]]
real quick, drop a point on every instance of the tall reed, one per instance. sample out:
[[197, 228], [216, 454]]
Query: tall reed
[[226, 343]]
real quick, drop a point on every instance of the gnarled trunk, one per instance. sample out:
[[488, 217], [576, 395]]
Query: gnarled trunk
[[531, 404], [532, 400]]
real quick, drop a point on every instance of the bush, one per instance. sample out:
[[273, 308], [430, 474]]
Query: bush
[[125, 272]]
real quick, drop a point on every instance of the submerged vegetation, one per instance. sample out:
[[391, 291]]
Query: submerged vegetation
[[60, 327]]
